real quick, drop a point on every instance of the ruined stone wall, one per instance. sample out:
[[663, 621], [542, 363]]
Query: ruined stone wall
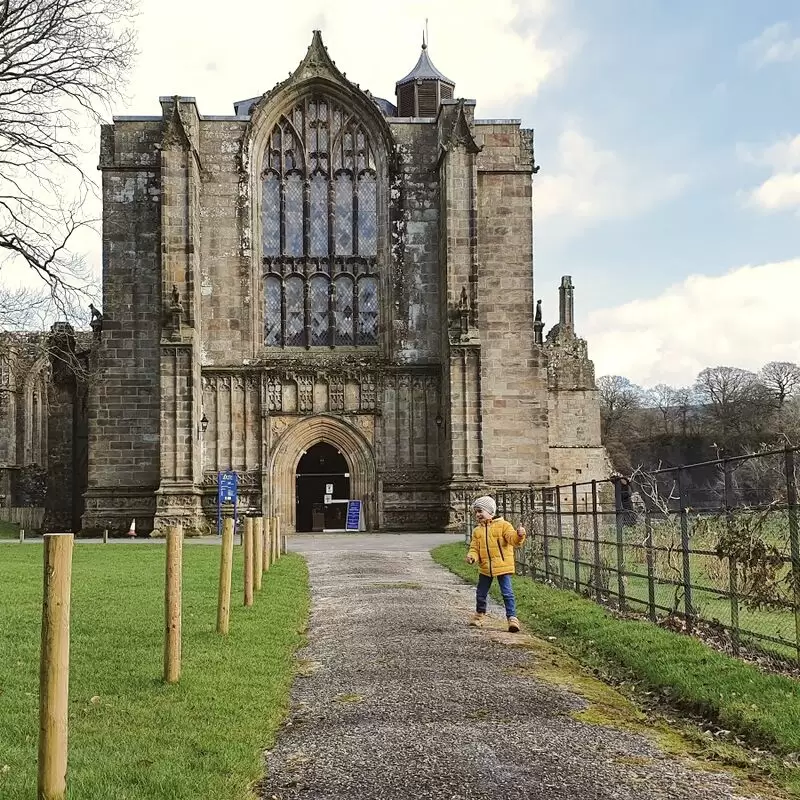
[[124, 404], [513, 369]]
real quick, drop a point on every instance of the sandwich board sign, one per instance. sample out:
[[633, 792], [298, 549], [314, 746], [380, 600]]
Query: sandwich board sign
[[355, 516], [227, 493]]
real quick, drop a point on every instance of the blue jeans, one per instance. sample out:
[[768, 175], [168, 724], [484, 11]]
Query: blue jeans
[[504, 582]]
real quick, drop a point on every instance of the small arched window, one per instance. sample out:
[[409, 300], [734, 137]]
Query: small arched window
[[319, 229]]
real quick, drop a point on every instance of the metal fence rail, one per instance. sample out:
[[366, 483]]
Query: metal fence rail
[[717, 542]]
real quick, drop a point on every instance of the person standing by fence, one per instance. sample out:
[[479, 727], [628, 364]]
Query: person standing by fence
[[492, 546]]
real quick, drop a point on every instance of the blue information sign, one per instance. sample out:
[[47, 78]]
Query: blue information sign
[[227, 492], [354, 516]]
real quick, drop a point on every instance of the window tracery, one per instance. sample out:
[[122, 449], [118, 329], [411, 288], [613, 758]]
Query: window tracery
[[319, 231]]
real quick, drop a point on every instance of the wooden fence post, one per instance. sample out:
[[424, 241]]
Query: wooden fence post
[[225, 573], [248, 561], [172, 605], [54, 666], [258, 558]]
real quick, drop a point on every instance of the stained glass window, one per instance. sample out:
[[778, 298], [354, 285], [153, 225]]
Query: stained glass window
[[272, 311], [367, 311], [320, 235], [295, 316], [343, 225], [343, 310], [293, 214], [318, 221], [367, 216], [271, 203], [318, 305]]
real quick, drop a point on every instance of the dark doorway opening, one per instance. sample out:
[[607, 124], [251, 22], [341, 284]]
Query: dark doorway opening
[[321, 467]]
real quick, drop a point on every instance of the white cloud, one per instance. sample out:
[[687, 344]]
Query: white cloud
[[776, 44], [744, 318], [589, 184], [495, 52], [781, 191]]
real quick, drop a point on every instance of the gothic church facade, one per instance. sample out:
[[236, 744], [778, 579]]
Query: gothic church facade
[[332, 295]]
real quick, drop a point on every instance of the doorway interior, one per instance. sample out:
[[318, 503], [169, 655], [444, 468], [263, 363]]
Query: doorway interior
[[321, 467]]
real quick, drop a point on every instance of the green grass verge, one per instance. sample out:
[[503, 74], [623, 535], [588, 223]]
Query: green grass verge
[[9, 530], [130, 735], [763, 709]]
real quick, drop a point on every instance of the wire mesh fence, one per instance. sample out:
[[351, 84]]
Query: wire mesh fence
[[714, 544]]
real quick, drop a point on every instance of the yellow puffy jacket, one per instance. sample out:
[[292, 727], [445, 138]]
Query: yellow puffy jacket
[[492, 546]]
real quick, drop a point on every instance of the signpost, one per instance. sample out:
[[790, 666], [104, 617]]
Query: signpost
[[227, 492], [355, 516]]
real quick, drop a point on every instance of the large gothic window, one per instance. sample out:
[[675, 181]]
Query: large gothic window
[[319, 229]]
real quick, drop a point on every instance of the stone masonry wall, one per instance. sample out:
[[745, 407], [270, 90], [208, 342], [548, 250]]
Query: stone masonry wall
[[124, 407], [414, 275], [513, 373]]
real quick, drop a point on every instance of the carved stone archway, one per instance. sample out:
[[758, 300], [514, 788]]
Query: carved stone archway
[[289, 449]]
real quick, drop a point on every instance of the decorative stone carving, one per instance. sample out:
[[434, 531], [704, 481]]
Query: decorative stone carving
[[305, 394], [274, 393], [175, 313], [368, 393], [96, 322], [336, 393]]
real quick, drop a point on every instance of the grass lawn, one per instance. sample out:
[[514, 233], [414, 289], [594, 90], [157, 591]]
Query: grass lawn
[[9, 530], [763, 709], [130, 735]]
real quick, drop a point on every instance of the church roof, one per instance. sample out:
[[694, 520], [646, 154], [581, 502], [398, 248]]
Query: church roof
[[424, 71]]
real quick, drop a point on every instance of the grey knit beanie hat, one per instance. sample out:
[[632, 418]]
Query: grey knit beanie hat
[[485, 504]]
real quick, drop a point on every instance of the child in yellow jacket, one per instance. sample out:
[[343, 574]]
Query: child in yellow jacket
[[492, 546]]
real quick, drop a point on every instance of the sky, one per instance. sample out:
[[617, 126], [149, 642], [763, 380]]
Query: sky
[[667, 134]]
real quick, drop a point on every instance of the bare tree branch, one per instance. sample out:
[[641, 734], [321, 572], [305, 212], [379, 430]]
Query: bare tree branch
[[61, 63]]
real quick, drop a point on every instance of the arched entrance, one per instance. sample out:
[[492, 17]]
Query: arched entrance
[[297, 441], [322, 488]]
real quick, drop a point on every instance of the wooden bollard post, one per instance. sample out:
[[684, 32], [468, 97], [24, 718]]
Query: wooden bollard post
[[267, 542], [54, 666], [271, 540], [264, 525], [283, 544], [258, 556], [172, 605], [277, 538], [21, 535], [225, 574], [105, 535], [248, 561]]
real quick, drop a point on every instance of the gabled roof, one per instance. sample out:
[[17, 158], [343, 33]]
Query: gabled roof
[[425, 71]]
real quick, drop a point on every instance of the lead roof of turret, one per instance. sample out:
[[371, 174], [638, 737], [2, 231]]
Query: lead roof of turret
[[425, 71]]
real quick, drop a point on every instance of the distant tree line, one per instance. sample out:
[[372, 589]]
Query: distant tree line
[[726, 411]]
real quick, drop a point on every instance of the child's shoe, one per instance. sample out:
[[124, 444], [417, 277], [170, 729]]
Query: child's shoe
[[513, 625], [476, 621]]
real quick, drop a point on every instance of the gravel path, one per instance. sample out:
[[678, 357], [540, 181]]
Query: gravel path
[[397, 698]]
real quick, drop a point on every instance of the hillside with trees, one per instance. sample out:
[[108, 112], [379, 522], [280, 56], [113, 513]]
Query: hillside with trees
[[726, 411]]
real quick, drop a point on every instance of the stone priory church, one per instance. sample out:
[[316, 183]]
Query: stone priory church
[[332, 295]]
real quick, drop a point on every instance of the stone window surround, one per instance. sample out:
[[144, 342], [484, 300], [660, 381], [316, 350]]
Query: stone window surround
[[256, 146]]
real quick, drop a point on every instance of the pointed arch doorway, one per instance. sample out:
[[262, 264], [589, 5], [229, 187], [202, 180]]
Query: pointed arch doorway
[[296, 441], [322, 488]]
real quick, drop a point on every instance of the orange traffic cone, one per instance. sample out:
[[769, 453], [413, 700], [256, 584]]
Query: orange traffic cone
[[132, 529]]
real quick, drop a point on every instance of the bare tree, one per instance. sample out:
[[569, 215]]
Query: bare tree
[[735, 401], [61, 62], [782, 378], [665, 399], [619, 398]]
